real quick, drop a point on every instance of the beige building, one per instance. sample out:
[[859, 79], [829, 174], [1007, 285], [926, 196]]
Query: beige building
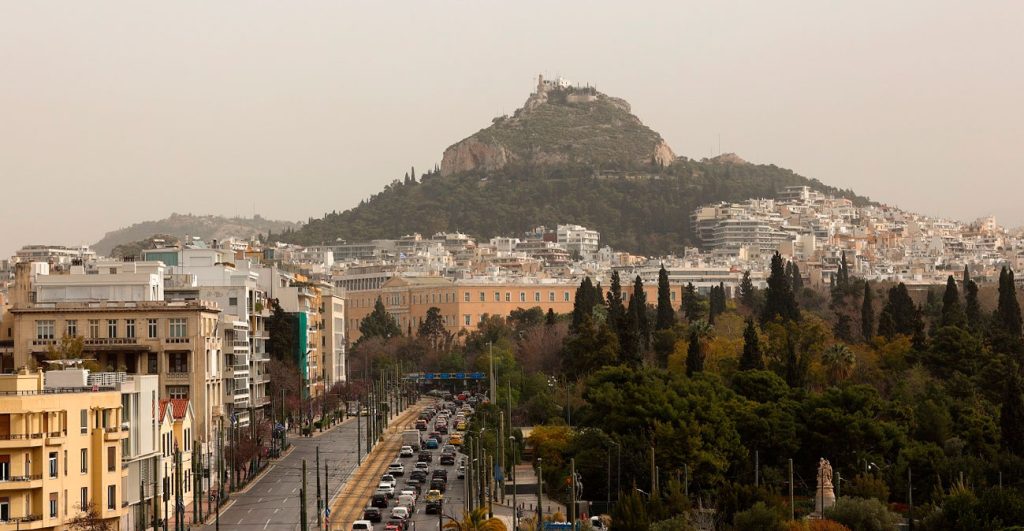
[[178, 341], [462, 303], [60, 451], [176, 418]]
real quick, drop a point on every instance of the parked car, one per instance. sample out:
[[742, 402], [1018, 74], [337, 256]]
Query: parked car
[[372, 514], [461, 473]]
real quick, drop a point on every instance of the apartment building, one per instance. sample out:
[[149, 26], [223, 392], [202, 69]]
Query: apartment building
[[140, 451], [176, 433], [60, 452]]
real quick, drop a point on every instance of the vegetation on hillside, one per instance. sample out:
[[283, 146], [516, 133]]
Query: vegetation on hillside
[[646, 212], [182, 225]]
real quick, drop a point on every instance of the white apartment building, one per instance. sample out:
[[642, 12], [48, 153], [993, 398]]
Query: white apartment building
[[578, 239]]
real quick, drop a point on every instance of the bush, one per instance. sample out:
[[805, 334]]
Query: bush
[[816, 525], [862, 514], [868, 486], [760, 517], [676, 523]]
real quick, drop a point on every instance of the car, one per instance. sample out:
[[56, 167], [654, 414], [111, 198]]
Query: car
[[461, 426], [456, 439], [406, 451], [448, 449], [415, 487], [372, 514], [439, 473], [435, 506], [400, 512], [447, 459], [396, 469], [421, 425], [431, 444], [408, 501], [443, 428], [386, 488], [421, 465], [417, 477], [426, 457], [461, 472], [362, 525], [396, 524], [379, 500], [438, 484], [389, 479]]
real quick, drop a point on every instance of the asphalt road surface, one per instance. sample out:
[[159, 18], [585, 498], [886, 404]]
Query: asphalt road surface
[[273, 503]]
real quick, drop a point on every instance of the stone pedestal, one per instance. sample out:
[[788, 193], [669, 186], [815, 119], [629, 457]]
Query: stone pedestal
[[823, 499]]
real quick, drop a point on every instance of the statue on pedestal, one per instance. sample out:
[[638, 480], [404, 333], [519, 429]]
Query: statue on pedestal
[[824, 495]]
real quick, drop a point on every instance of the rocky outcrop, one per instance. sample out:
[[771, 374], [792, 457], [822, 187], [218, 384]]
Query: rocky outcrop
[[561, 126]]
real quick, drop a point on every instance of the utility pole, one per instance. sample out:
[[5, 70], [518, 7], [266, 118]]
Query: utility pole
[[572, 492], [792, 509], [515, 505], [359, 430], [654, 475], [499, 444], [220, 468], [302, 500], [319, 499], [490, 485], [179, 502], [142, 507], [540, 494], [910, 498], [757, 468], [327, 499]]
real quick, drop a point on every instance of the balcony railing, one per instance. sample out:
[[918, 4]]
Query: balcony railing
[[20, 436], [103, 341], [177, 340], [30, 477]]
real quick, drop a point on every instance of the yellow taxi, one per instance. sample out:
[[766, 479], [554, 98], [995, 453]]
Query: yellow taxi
[[455, 439]]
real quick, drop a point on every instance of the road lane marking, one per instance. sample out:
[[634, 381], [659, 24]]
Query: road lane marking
[[268, 523]]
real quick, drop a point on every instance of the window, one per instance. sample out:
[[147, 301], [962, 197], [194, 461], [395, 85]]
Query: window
[[53, 505], [129, 328], [482, 297], [53, 464], [83, 416], [111, 328], [468, 319], [178, 362], [177, 391], [84, 501], [151, 325], [497, 296], [188, 439], [151, 363], [536, 296], [72, 328], [522, 296], [551, 296], [94, 328], [5, 467], [66, 462], [85, 460], [111, 458], [232, 301], [111, 497], [465, 296], [508, 297], [44, 329], [177, 327], [5, 509], [565, 296], [673, 295]]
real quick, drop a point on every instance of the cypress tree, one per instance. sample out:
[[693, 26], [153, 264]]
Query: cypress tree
[[666, 314], [972, 308], [842, 330], [694, 355], [1008, 316], [692, 309], [616, 309], [550, 318], [583, 303], [798, 279], [867, 314], [779, 300], [900, 316], [952, 312], [638, 307], [747, 290], [751, 360], [1011, 416]]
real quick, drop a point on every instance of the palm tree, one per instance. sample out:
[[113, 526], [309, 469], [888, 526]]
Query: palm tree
[[839, 361], [476, 520]]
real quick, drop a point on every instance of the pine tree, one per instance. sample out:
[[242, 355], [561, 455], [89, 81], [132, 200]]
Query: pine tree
[[779, 300], [751, 360], [952, 312], [694, 355], [867, 314], [692, 306], [616, 309], [666, 314], [379, 323], [1011, 416], [747, 290], [638, 307]]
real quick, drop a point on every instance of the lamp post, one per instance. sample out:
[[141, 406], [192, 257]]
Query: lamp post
[[515, 506], [540, 493]]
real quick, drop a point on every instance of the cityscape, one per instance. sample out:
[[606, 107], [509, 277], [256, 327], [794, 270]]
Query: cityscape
[[563, 323]]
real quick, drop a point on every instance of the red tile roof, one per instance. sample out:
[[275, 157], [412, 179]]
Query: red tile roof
[[178, 407]]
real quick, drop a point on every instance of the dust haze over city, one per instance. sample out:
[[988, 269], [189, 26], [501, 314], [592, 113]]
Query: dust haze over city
[[641, 266], [224, 108]]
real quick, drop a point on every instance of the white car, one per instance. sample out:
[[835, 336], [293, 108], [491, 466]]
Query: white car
[[389, 479], [396, 469], [406, 451], [386, 488], [422, 466], [362, 525], [400, 512]]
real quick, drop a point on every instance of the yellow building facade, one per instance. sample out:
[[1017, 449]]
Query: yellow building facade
[[60, 452]]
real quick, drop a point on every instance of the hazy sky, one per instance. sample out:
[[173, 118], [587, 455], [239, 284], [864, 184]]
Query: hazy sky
[[117, 112]]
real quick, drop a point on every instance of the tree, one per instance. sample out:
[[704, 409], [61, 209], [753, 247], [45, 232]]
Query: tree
[[751, 359], [586, 299], [694, 355], [432, 329], [838, 361], [779, 300], [616, 309], [952, 312], [693, 303], [1006, 321], [476, 520], [379, 323], [550, 319], [842, 329], [638, 309], [589, 349], [747, 290], [862, 514], [899, 315], [1011, 416], [89, 520], [630, 513], [283, 333], [796, 278], [867, 314], [666, 314], [972, 308]]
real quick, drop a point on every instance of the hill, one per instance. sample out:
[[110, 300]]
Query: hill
[[181, 225], [570, 155], [561, 125]]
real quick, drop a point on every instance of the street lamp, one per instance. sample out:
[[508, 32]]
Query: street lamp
[[540, 493], [515, 506]]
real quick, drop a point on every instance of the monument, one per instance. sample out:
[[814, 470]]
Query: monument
[[824, 495]]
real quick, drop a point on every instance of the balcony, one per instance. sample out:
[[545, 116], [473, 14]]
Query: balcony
[[32, 521], [177, 377], [114, 434], [110, 341], [33, 481], [55, 438], [177, 340], [21, 440]]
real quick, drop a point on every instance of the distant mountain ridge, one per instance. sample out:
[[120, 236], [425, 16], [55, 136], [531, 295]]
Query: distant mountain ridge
[[180, 225]]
